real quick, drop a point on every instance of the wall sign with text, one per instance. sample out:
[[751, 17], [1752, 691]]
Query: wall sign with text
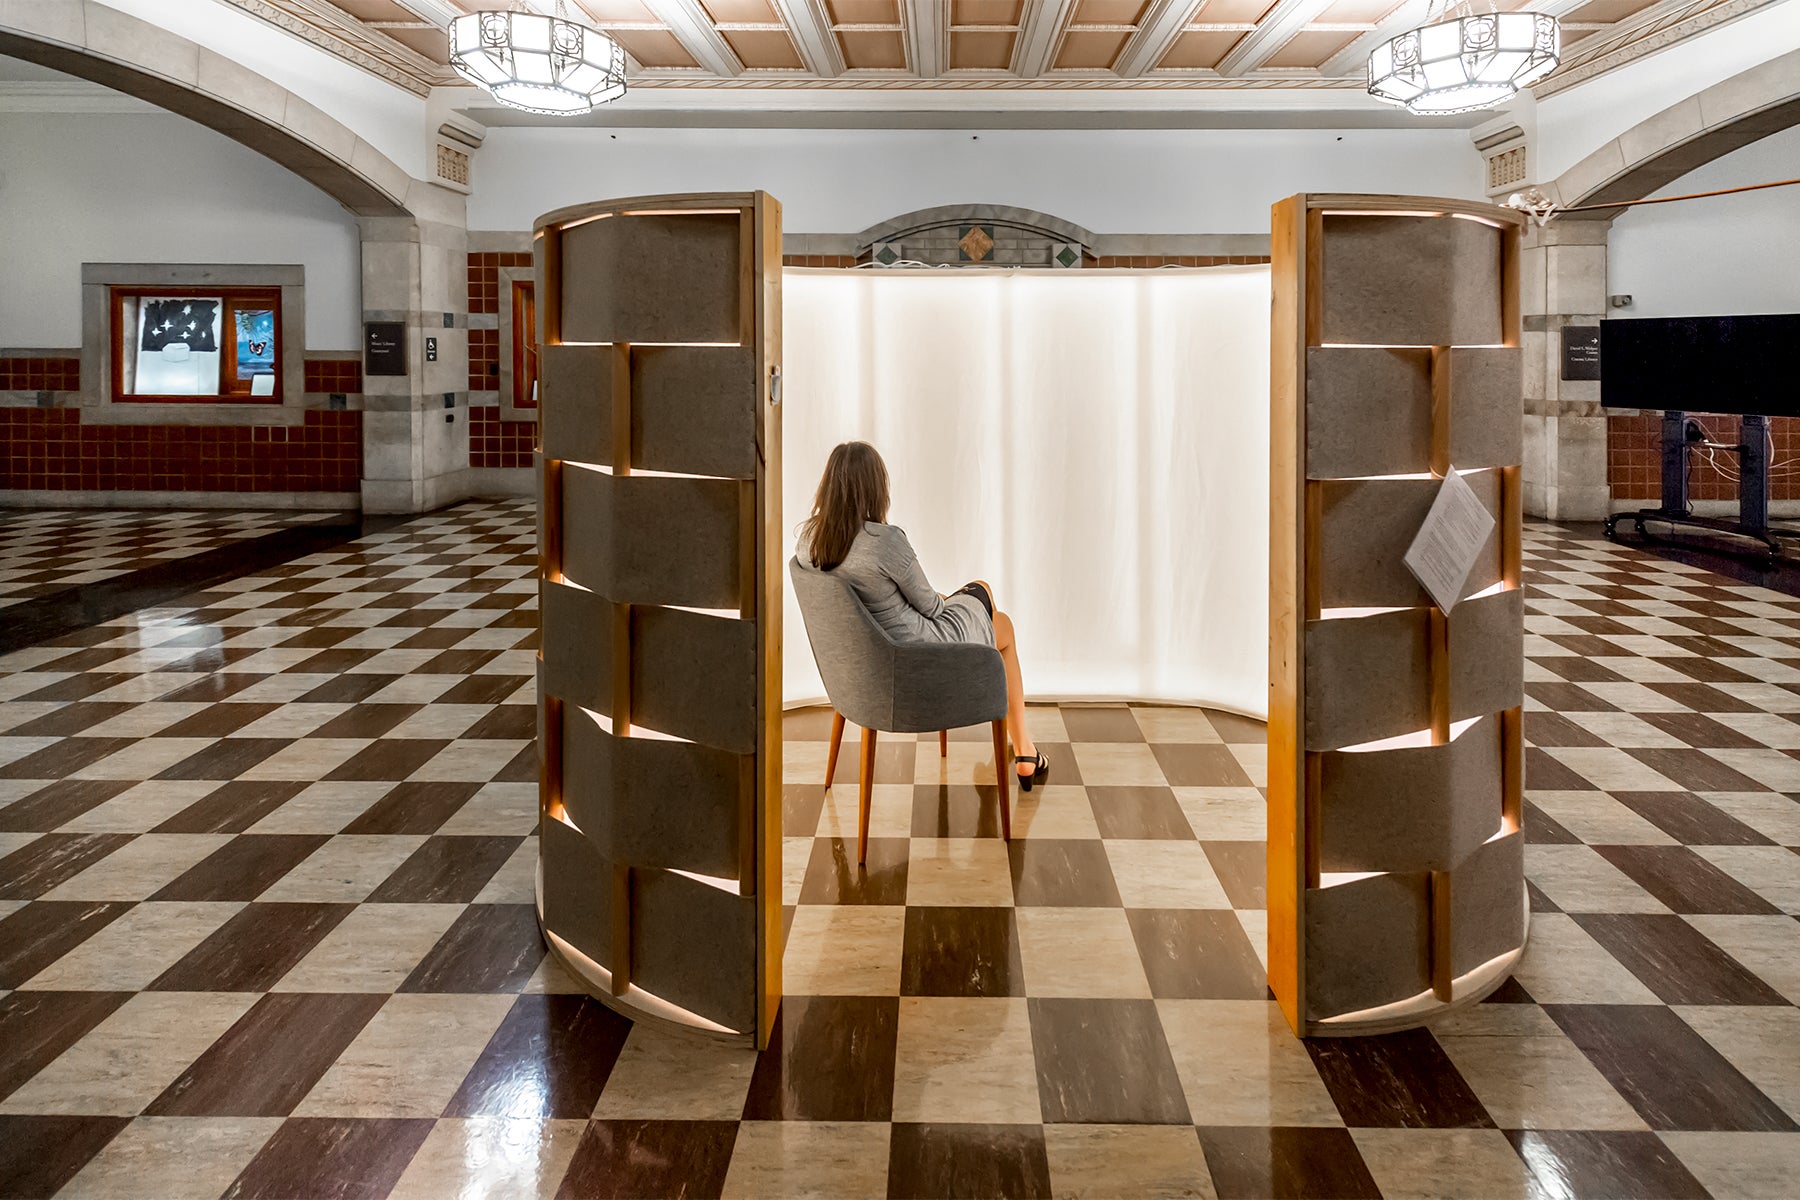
[[384, 347]]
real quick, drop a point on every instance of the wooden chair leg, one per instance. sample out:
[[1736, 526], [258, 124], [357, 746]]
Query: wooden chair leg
[[943, 743], [837, 735], [1003, 776], [866, 786]]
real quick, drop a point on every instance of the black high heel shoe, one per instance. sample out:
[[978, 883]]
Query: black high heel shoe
[[1040, 768]]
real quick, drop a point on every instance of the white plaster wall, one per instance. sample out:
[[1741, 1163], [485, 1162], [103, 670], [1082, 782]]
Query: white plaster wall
[[154, 187], [1722, 255], [843, 181]]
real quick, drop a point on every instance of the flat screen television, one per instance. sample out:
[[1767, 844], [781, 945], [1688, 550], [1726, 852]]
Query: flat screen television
[[1702, 364]]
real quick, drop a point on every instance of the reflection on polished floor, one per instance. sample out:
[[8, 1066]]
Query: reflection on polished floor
[[266, 864]]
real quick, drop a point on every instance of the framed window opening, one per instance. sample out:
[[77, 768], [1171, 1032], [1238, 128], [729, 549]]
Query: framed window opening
[[196, 345], [524, 344]]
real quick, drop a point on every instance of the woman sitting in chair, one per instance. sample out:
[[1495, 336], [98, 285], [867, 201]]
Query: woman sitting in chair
[[847, 534]]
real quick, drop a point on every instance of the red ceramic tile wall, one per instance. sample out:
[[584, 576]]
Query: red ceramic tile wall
[[40, 374], [50, 449], [484, 279], [497, 443], [484, 360], [1634, 458], [334, 375]]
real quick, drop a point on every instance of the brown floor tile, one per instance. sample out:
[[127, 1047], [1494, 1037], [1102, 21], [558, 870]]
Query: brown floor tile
[[1243, 870], [34, 869], [232, 807], [1576, 669], [618, 1159], [1543, 830], [42, 932], [1294, 1163], [243, 868], [389, 758], [521, 768], [951, 1162], [952, 951], [549, 1059], [490, 948], [62, 759], [36, 1027], [1061, 874], [1695, 770], [1234, 730], [226, 758], [1064, 770], [1140, 812], [1546, 774], [348, 689], [1566, 697], [217, 720], [253, 950], [58, 803], [801, 806], [1396, 1081], [75, 687], [1193, 764], [485, 689], [415, 807], [446, 870], [512, 722], [1675, 960], [1101, 724], [1554, 729], [830, 1058], [1668, 1072], [806, 724], [833, 876], [68, 720], [266, 1063], [40, 1154], [331, 1158], [1197, 954], [365, 721], [1684, 881], [1581, 1163], [963, 810], [1701, 697], [1690, 820], [1083, 1048], [1698, 730]]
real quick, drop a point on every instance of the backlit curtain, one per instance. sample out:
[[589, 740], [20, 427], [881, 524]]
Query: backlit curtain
[[1093, 443]]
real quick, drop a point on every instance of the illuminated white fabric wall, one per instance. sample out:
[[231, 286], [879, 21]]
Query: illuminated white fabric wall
[[1095, 444]]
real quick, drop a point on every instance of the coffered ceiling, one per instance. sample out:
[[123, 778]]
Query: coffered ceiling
[[977, 44]]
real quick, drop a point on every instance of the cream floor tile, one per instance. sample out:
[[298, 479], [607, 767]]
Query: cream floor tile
[[373, 949], [808, 1160], [1165, 874], [1254, 758], [18, 841], [1118, 764], [1768, 945], [1225, 814], [1255, 922], [1773, 815], [965, 1059], [1240, 1065], [170, 1157], [1495, 1021], [139, 867], [470, 761], [551, 977], [1623, 729], [440, 721], [962, 871], [1175, 725], [409, 1059], [1632, 697], [844, 950], [146, 720], [345, 869], [1045, 724], [1445, 1164], [141, 808], [1772, 872], [1578, 880], [498, 808], [1772, 730], [1054, 811], [890, 808], [308, 759], [143, 759], [1563, 965], [284, 688], [1152, 1162], [323, 807], [133, 950], [1743, 1166], [796, 853], [293, 720], [516, 880], [1760, 1041], [662, 1075], [490, 1158], [1539, 1083], [1771, 768], [1599, 820], [1084, 952], [967, 762], [127, 1060], [1611, 769], [804, 762]]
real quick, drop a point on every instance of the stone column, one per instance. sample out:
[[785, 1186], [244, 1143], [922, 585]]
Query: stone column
[[416, 426], [1562, 277]]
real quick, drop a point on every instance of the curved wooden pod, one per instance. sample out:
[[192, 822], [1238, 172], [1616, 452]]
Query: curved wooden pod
[[1396, 886], [659, 539]]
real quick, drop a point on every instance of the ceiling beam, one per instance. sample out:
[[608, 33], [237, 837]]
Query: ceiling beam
[[1354, 58], [927, 26], [438, 12], [809, 24], [1274, 31], [1161, 25], [694, 30], [1038, 36]]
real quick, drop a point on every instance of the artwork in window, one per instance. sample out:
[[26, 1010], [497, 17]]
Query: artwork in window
[[255, 342], [178, 346]]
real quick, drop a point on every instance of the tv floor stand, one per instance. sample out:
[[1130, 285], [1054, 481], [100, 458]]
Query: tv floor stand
[[1753, 486]]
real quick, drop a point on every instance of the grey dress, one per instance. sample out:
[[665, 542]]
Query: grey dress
[[885, 574]]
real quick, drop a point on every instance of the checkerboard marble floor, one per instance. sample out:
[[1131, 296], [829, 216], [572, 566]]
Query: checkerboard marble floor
[[46, 550], [266, 865]]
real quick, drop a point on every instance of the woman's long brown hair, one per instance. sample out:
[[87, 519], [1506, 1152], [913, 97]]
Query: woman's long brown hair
[[854, 489]]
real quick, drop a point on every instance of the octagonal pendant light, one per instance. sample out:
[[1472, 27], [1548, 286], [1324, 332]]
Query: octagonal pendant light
[[1464, 60], [538, 62]]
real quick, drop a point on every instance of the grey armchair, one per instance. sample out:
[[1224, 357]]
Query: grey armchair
[[897, 687]]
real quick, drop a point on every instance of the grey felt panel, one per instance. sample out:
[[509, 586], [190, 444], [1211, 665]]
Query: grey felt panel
[[1367, 944], [1367, 678], [693, 676], [574, 885], [576, 629], [1416, 808], [1411, 281], [575, 403], [1366, 527], [694, 945], [1487, 903], [647, 802], [1487, 406], [618, 532], [1487, 657], [665, 278], [1368, 411], [693, 410]]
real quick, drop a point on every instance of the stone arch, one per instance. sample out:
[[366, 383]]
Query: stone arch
[[1711, 123], [100, 44], [1043, 225]]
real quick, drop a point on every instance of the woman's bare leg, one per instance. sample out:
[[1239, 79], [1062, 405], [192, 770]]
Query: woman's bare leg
[[1005, 641]]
